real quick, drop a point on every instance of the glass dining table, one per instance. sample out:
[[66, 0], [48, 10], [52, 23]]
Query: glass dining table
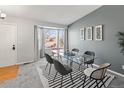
[[72, 57]]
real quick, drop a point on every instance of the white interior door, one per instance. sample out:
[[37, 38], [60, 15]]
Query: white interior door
[[8, 46]]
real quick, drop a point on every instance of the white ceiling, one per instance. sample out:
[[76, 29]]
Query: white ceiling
[[60, 14]]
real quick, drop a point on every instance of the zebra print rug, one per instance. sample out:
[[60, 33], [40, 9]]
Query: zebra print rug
[[77, 81]]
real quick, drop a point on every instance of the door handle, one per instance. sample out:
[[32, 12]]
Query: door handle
[[13, 48]]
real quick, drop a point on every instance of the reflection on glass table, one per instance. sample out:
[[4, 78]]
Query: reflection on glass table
[[73, 58]]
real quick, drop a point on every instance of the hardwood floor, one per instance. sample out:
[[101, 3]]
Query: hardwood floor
[[27, 77], [8, 72]]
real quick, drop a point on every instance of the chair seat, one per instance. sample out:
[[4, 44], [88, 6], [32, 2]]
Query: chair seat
[[88, 71], [90, 61], [68, 68]]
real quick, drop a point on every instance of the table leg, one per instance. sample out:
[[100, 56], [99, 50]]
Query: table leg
[[71, 63]]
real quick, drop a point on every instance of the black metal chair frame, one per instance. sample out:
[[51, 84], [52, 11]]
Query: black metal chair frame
[[100, 79], [89, 61], [90, 53], [49, 60], [61, 70], [75, 50]]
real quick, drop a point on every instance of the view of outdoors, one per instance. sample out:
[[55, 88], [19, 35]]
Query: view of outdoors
[[54, 38], [61, 39]]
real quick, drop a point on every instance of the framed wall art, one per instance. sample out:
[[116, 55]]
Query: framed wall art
[[89, 33], [82, 34], [99, 32]]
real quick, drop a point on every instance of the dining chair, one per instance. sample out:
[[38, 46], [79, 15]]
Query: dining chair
[[63, 70], [49, 60], [89, 60], [96, 74], [75, 51], [68, 55], [50, 52]]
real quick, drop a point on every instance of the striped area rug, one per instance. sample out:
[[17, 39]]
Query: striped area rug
[[78, 81]]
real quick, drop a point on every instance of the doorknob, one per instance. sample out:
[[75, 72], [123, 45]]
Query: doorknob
[[13, 48]]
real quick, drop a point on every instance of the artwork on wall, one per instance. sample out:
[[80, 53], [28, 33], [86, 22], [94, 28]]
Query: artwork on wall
[[89, 33], [121, 41], [99, 32], [82, 33]]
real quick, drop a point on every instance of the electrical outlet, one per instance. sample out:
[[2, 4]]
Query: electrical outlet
[[122, 66]]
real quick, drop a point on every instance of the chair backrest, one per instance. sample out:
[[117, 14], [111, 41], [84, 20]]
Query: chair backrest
[[49, 51], [59, 67], [90, 53], [100, 72], [75, 50], [48, 58], [105, 66], [90, 61]]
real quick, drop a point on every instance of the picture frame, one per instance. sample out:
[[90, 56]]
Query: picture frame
[[82, 34], [89, 33], [99, 32]]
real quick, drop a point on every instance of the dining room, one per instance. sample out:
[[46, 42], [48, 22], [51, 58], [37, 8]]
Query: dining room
[[72, 47]]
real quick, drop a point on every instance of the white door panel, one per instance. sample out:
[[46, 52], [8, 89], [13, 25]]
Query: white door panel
[[7, 40]]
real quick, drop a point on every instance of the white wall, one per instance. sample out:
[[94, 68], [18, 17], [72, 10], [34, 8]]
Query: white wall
[[25, 36]]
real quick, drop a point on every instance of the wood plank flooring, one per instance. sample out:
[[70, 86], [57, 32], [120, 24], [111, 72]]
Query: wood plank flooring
[[8, 72]]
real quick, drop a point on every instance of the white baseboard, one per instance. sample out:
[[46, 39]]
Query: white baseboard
[[119, 74], [20, 63]]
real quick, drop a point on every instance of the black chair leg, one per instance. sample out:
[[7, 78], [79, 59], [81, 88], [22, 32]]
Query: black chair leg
[[46, 66], [84, 64], [79, 66], [90, 79], [61, 80], [84, 80], [61, 58], [71, 64], [71, 78], [55, 76], [50, 69], [92, 65], [87, 65]]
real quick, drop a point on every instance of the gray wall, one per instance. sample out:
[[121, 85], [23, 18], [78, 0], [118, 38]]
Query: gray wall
[[112, 17]]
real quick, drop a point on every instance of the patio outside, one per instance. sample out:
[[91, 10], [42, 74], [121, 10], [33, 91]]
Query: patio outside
[[54, 39]]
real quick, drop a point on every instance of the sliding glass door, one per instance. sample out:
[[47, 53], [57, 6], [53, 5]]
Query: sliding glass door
[[53, 40], [50, 38]]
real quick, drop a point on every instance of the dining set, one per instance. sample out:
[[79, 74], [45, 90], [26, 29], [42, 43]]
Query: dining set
[[74, 56]]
